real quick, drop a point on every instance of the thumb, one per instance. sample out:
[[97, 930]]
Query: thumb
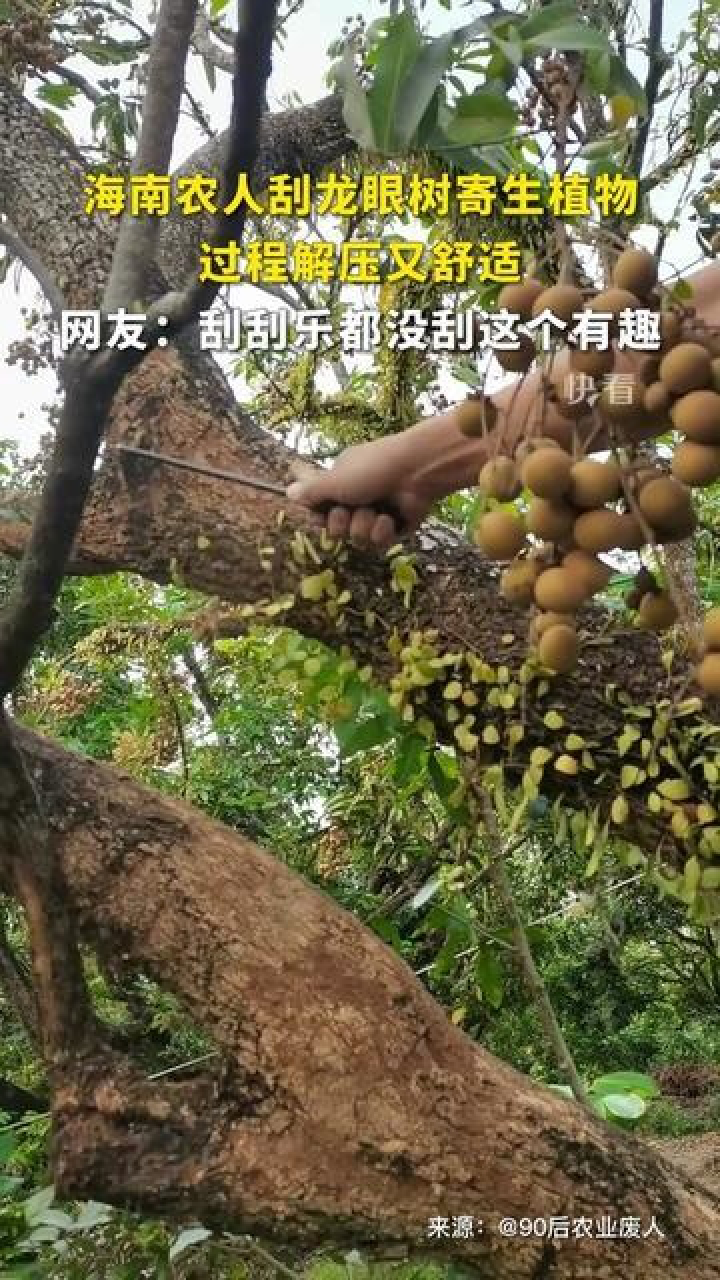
[[309, 484]]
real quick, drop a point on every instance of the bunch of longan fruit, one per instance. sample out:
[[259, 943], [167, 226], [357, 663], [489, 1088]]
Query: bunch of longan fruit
[[552, 510]]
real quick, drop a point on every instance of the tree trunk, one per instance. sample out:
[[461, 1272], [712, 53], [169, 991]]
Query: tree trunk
[[345, 1105]]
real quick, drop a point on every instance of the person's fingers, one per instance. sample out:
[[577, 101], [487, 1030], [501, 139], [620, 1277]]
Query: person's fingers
[[361, 525], [384, 532], [337, 522]]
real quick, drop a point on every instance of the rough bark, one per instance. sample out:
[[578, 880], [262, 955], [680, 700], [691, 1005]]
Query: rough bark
[[346, 1107]]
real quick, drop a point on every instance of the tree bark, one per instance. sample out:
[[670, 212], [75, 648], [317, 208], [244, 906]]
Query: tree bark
[[346, 1106]]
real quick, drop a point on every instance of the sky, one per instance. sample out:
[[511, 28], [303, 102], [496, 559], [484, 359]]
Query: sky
[[300, 69]]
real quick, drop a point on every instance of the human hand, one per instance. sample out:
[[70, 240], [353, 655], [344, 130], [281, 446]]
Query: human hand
[[368, 496]]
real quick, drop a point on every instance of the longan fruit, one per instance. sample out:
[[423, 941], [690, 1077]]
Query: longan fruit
[[629, 532], [546, 473], [708, 674], [596, 573], [571, 406], [531, 444], [564, 300], [475, 416], [687, 367], [558, 649], [667, 506], [552, 521], [500, 535], [614, 300], [657, 611], [519, 298], [697, 414], [600, 530], [517, 582], [696, 465], [593, 483], [656, 398], [624, 402], [519, 359], [711, 629], [499, 479], [561, 590], [637, 271], [542, 622]]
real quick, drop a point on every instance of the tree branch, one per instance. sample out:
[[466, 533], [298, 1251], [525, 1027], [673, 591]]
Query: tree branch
[[656, 69], [137, 240], [35, 266]]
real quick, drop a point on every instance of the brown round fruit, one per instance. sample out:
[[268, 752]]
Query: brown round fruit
[[657, 611], [696, 465], [629, 532], [711, 629], [666, 505], [519, 298], [614, 301], [546, 473], [564, 300], [542, 622], [593, 483], [597, 531], [475, 417], [716, 374], [708, 674], [517, 582], [623, 402], [561, 590], [594, 571], [686, 368], [519, 360], [499, 479], [636, 270], [500, 535], [656, 398], [558, 649], [697, 414], [552, 521], [531, 444], [594, 363]]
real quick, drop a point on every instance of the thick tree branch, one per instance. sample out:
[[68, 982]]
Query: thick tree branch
[[347, 1107], [136, 245]]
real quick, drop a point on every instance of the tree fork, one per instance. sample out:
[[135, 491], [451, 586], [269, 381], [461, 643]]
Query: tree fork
[[349, 1108]]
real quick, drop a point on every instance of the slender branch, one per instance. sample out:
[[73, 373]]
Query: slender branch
[[138, 238], [656, 69], [533, 979], [204, 44], [75, 78], [35, 266]]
